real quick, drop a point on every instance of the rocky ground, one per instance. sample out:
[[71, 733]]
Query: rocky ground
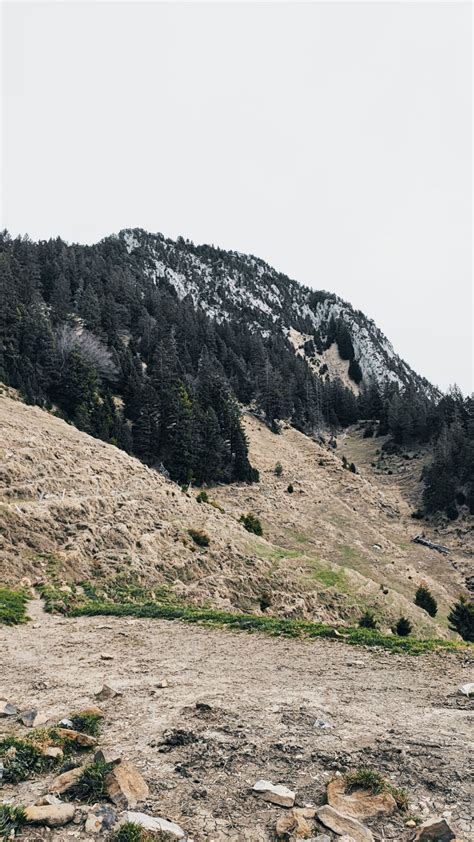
[[236, 708]]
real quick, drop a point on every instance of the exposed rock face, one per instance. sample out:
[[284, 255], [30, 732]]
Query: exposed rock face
[[51, 815], [341, 824], [360, 804], [125, 786], [275, 794], [435, 830]]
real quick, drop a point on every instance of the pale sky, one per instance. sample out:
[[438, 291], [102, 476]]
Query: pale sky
[[331, 139]]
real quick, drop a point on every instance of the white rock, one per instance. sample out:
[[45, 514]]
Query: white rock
[[276, 794], [467, 689], [153, 823]]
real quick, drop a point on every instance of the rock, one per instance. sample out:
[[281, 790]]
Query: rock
[[467, 689], [410, 823], [106, 656], [321, 837], [78, 737], [51, 815], [435, 830], [47, 799], [65, 781], [107, 692], [321, 723], [155, 824], [92, 710], [33, 718], [100, 819], [162, 684], [295, 825], [360, 804], [125, 785], [66, 723], [105, 755], [343, 825], [6, 709], [275, 794], [54, 752]]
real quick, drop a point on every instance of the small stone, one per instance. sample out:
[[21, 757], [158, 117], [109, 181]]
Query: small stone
[[162, 684], [6, 709], [278, 794], [107, 692], [125, 786], [51, 815], [106, 656], [100, 819], [155, 824], [321, 837], [322, 723], [344, 825], [92, 710], [66, 723], [105, 755], [78, 737], [410, 823], [295, 824], [47, 799], [54, 752], [435, 830], [33, 718], [65, 781], [467, 689]]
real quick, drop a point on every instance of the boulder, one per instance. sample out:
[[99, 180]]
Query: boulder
[[435, 830], [51, 815], [276, 794], [125, 786], [6, 709], [154, 824], [65, 781], [361, 803], [78, 737], [295, 824], [33, 718], [101, 819], [343, 825]]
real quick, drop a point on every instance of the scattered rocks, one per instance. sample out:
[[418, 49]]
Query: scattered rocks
[[360, 804], [101, 819], [435, 830], [65, 781], [107, 692], [7, 709], [276, 794], [154, 824], [343, 825], [33, 718], [295, 825], [51, 815], [125, 785]]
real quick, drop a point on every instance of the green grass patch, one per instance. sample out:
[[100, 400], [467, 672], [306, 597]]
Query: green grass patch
[[13, 607], [90, 785], [86, 723], [375, 783], [331, 578], [275, 626], [12, 820], [22, 759], [273, 553], [133, 832]]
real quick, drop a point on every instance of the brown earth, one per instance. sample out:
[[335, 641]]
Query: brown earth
[[72, 507], [242, 707]]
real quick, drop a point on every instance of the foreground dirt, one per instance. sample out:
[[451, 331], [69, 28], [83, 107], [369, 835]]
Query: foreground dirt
[[247, 707]]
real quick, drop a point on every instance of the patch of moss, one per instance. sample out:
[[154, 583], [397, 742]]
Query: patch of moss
[[13, 607]]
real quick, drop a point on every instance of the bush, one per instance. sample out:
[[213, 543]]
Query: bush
[[199, 537], [87, 723], [367, 621], [251, 523], [278, 469], [403, 627], [202, 497], [461, 619], [290, 489], [12, 820], [425, 599], [353, 468]]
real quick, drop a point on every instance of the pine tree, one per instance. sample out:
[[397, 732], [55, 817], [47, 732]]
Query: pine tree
[[403, 627], [425, 599], [461, 619]]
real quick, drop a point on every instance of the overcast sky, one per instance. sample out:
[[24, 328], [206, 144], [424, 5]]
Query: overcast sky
[[331, 139]]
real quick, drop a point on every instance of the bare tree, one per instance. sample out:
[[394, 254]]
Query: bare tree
[[74, 339]]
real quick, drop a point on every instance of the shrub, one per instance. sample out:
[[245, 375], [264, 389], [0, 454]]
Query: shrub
[[367, 621], [461, 619], [22, 759], [12, 607], [368, 432], [403, 627], [353, 468], [90, 786], [251, 523], [12, 820], [133, 832], [425, 599], [202, 497], [87, 723], [290, 489], [199, 537], [365, 779], [278, 469]]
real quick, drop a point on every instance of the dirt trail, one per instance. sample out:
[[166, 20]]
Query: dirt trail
[[399, 714]]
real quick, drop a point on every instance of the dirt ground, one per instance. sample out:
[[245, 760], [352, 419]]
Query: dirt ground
[[244, 707]]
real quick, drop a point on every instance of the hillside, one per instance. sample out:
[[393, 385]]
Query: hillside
[[75, 508]]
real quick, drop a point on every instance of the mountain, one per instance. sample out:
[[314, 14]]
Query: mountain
[[231, 285]]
